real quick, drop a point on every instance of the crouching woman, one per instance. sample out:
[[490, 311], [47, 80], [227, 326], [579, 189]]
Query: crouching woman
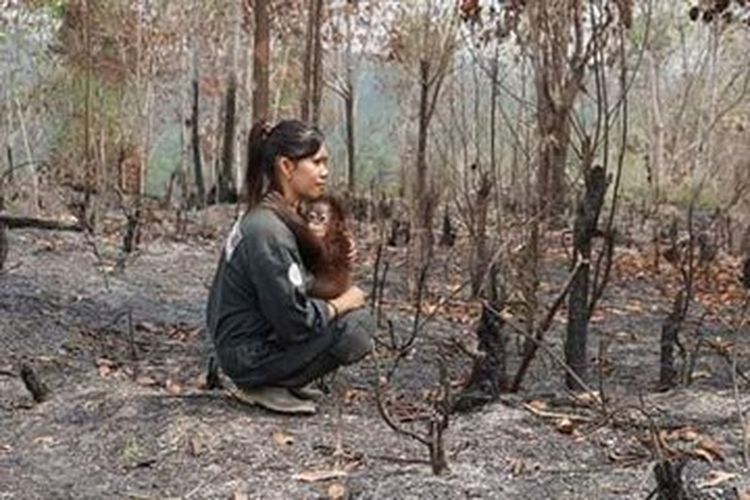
[[270, 337]]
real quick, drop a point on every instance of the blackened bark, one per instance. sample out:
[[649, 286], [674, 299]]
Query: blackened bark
[[195, 136], [307, 62], [584, 228], [488, 377], [317, 64], [3, 245], [39, 391], [227, 188], [481, 258], [669, 485], [261, 60], [12, 222], [670, 331], [448, 236]]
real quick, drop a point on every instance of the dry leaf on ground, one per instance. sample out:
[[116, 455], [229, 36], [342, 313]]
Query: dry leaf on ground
[[565, 425], [173, 387], [283, 439], [313, 476], [195, 446], [517, 466], [715, 478], [711, 447], [337, 491], [240, 494], [146, 381]]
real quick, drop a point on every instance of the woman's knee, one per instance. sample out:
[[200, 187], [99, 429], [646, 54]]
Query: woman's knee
[[356, 339]]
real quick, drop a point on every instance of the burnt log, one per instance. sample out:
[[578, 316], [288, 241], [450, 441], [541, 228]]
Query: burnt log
[[13, 222]]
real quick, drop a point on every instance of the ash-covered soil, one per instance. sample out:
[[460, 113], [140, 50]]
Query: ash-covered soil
[[128, 416]]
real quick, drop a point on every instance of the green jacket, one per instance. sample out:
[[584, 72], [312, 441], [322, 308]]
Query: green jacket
[[258, 307]]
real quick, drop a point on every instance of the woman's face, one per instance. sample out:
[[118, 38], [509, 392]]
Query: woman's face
[[308, 179]]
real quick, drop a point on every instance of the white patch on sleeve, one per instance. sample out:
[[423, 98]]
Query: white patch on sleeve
[[234, 238], [295, 275]]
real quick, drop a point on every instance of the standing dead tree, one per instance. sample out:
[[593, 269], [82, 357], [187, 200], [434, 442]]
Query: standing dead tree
[[261, 61], [584, 230], [312, 67]]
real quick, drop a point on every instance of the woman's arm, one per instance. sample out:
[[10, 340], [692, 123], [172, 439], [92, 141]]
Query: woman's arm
[[275, 268]]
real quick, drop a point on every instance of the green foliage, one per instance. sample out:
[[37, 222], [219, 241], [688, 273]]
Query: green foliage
[[56, 8]]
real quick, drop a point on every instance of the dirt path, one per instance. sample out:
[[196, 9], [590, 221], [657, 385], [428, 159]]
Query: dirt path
[[127, 417]]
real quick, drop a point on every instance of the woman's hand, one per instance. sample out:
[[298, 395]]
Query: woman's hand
[[352, 299]]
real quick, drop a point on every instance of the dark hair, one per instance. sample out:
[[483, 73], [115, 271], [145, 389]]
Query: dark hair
[[290, 138]]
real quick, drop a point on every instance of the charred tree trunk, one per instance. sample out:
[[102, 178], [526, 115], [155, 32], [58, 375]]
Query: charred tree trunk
[[350, 150], [3, 245], [227, 188], [745, 278], [584, 229], [312, 74], [423, 222], [317, 64], [39, 391], [261, 60], [669, 484], [670, 331], [481, 210], [3, 229], [132, 237], [488, 377], [307, 62], [554, 130], [195, 133], [12, 222], [448, 236]]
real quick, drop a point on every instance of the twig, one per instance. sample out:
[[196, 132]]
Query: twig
[[406, 346], [534, 342], [202, 484], [553, 355], [552, 414], [386, 416], [133, 349], [381, 291], [375, 271], [400, 460]]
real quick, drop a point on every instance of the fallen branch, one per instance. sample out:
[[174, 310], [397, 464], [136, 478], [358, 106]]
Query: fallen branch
[[533, 343], [13, 222], [553, 414]]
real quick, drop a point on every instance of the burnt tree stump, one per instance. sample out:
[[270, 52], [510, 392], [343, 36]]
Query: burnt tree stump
[[488, 377], [670, 331], [669, 483], [39, 391]]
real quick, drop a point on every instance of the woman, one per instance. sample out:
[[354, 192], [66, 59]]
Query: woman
[[270, 337]]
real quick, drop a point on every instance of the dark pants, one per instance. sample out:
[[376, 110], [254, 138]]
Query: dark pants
[[345, 341]]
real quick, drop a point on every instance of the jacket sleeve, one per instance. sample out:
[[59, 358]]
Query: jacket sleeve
[[277, 274]]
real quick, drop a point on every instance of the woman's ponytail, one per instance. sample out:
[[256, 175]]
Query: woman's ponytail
[[255, 175]]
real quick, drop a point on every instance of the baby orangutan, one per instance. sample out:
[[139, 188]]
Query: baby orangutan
[[333, 270]]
